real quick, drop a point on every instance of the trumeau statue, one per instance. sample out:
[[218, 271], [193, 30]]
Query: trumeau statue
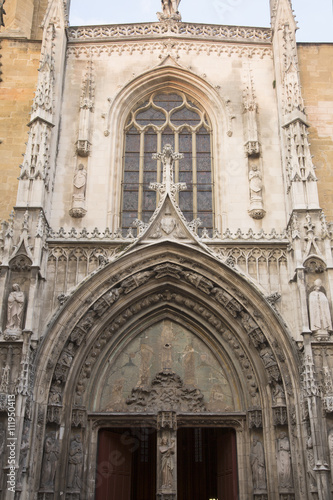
[[320, 316], [167, 463]]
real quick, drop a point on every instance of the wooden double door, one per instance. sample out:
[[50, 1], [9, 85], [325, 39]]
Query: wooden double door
[[206, 464]]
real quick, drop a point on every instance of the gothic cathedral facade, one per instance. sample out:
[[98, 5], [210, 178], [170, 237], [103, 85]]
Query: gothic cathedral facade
[[167, 272]]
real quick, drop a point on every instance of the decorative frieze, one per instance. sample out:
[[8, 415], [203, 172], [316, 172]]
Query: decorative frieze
[[219, 49], [182, 30]]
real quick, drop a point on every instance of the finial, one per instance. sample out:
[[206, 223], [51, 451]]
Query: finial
[[168, 186]]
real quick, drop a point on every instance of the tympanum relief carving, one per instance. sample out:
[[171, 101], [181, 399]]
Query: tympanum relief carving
[[160, 370]]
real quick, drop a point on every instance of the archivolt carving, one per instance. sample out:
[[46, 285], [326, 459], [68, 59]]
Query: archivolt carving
[[235, 303]]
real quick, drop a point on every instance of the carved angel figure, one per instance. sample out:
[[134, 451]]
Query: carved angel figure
[[15, 308]]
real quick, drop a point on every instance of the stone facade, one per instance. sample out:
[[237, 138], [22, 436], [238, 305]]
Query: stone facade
[[167, 324]]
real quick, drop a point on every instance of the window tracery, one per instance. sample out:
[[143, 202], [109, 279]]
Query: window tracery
[[167, 118]]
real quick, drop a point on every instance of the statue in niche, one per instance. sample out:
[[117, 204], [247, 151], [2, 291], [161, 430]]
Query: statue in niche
[[257, 458], [15, 307], [75, 463], [284, 461], [23, 453], [167, 461], [311, 461], [55, 394], [255, 185], [79, 192], [320, 316], [50, 460], [255, 182]]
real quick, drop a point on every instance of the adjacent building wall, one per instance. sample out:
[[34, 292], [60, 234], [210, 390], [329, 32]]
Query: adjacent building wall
[[316, 71], [20, 61]]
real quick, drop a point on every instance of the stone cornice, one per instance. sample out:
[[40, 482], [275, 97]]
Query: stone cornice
[[158, 30]]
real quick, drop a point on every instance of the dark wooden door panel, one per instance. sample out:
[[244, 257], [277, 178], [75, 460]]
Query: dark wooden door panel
[[226, 465], [113, 479], [126, 465]]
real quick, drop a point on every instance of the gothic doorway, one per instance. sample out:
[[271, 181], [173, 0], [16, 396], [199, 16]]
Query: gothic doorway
[[127, 464]]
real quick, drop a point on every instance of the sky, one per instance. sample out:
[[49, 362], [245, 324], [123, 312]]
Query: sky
[[314, 17]]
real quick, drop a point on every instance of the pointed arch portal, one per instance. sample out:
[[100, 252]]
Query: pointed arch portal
[[172, 345]]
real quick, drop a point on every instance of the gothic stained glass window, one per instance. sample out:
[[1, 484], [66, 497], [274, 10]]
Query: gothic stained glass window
[[167, 118]]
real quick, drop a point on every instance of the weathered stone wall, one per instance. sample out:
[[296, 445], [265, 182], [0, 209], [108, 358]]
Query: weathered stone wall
[[20, 61], [316, 71]]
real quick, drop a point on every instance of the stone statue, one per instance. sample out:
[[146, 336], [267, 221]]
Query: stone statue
[[255, 179], [320, 316], [79, 192], [75, 463], [311, 462], [170, 7], [50, 460], [168, 462], [257, 458], [284, 461], [15, 308], [23, 454]]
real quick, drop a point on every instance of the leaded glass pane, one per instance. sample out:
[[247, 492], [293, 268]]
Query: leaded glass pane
[[150, 116], [149, 201], [185, 143], [168, 101], [183, 116], [132, 140], [204, 200]]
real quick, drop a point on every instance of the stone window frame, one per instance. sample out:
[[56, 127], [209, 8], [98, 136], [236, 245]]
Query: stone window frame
[[163, 128]]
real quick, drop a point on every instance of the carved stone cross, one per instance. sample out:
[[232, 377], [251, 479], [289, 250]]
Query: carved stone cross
[[168, 185]]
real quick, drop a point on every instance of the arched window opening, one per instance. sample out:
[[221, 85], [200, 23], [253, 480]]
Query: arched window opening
[[167, 118]]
